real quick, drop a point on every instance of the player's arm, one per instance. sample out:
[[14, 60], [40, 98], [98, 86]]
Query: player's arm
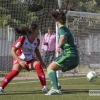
[[21, 62], [40, 58], [63, 34], [38, 55], [18, 43], [61, 41], [13, 54], [37, 52], [14, 49]]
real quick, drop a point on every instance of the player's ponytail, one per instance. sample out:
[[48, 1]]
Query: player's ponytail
[[68, 7], [60, 15], [25, 30], [21, 31]]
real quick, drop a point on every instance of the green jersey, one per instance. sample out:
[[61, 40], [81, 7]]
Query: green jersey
[[69, 58], [69, 45]]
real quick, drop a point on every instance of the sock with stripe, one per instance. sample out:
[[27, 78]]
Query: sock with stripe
[[40, 74], [8, 78], [53, 79]]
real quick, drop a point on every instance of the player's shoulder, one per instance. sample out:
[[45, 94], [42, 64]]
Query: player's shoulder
[[21, 38], [63, 27]]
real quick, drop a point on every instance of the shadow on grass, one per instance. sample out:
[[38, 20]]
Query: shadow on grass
[[22, 92], [69, 91], [74, 91]]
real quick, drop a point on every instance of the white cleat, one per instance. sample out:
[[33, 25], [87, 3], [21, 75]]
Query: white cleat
[[54, 92], [1, 90], [45, 89]]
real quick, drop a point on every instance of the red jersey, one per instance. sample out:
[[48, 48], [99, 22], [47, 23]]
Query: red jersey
[[26, 49]]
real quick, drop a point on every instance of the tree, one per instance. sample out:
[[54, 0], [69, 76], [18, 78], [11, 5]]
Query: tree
[[83, 5], [17, 13], [22, 12], [86, 5]]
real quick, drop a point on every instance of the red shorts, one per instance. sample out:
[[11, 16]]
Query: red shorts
[[28, 63]]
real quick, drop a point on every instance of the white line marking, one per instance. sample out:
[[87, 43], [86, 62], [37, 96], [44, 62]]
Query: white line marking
[[46, 80]]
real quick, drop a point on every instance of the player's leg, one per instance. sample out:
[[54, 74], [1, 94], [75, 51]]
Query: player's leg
[[60, 63], [40, 73], [52, 56], [14, 72], [51, 71]]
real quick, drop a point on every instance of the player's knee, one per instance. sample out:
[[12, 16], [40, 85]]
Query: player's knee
[[38, 66], [49, 68], [17, 67]]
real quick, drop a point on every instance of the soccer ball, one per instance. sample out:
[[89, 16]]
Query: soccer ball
[[92, 76]]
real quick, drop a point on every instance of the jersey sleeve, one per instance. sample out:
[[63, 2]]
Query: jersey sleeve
[[63, 32], [37, 47], [19, 42]]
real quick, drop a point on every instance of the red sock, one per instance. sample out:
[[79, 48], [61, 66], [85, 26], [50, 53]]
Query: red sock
[[40, 74], [9, 77]]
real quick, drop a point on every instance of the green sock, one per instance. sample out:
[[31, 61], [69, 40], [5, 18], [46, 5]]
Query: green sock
[[53, 79]]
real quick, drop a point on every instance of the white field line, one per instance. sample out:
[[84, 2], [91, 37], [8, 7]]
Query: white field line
[[46, 80]]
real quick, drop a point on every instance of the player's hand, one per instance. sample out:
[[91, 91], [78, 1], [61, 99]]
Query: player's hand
[[23, 63], [58, 49], [43, 64]]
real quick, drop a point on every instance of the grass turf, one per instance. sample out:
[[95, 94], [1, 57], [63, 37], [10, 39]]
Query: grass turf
[[73, 88]]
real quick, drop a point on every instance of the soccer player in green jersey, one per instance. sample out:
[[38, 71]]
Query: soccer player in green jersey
[[69, 58]]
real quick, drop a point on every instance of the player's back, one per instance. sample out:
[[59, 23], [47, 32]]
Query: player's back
[[69, 45]]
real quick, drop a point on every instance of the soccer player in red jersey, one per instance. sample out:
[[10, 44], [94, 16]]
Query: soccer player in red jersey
[[23, 51]]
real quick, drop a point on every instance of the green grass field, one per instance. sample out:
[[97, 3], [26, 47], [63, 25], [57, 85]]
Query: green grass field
[[73, 88]]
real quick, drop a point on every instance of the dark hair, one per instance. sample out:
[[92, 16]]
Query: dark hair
[[25, 30], [60, 15]]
